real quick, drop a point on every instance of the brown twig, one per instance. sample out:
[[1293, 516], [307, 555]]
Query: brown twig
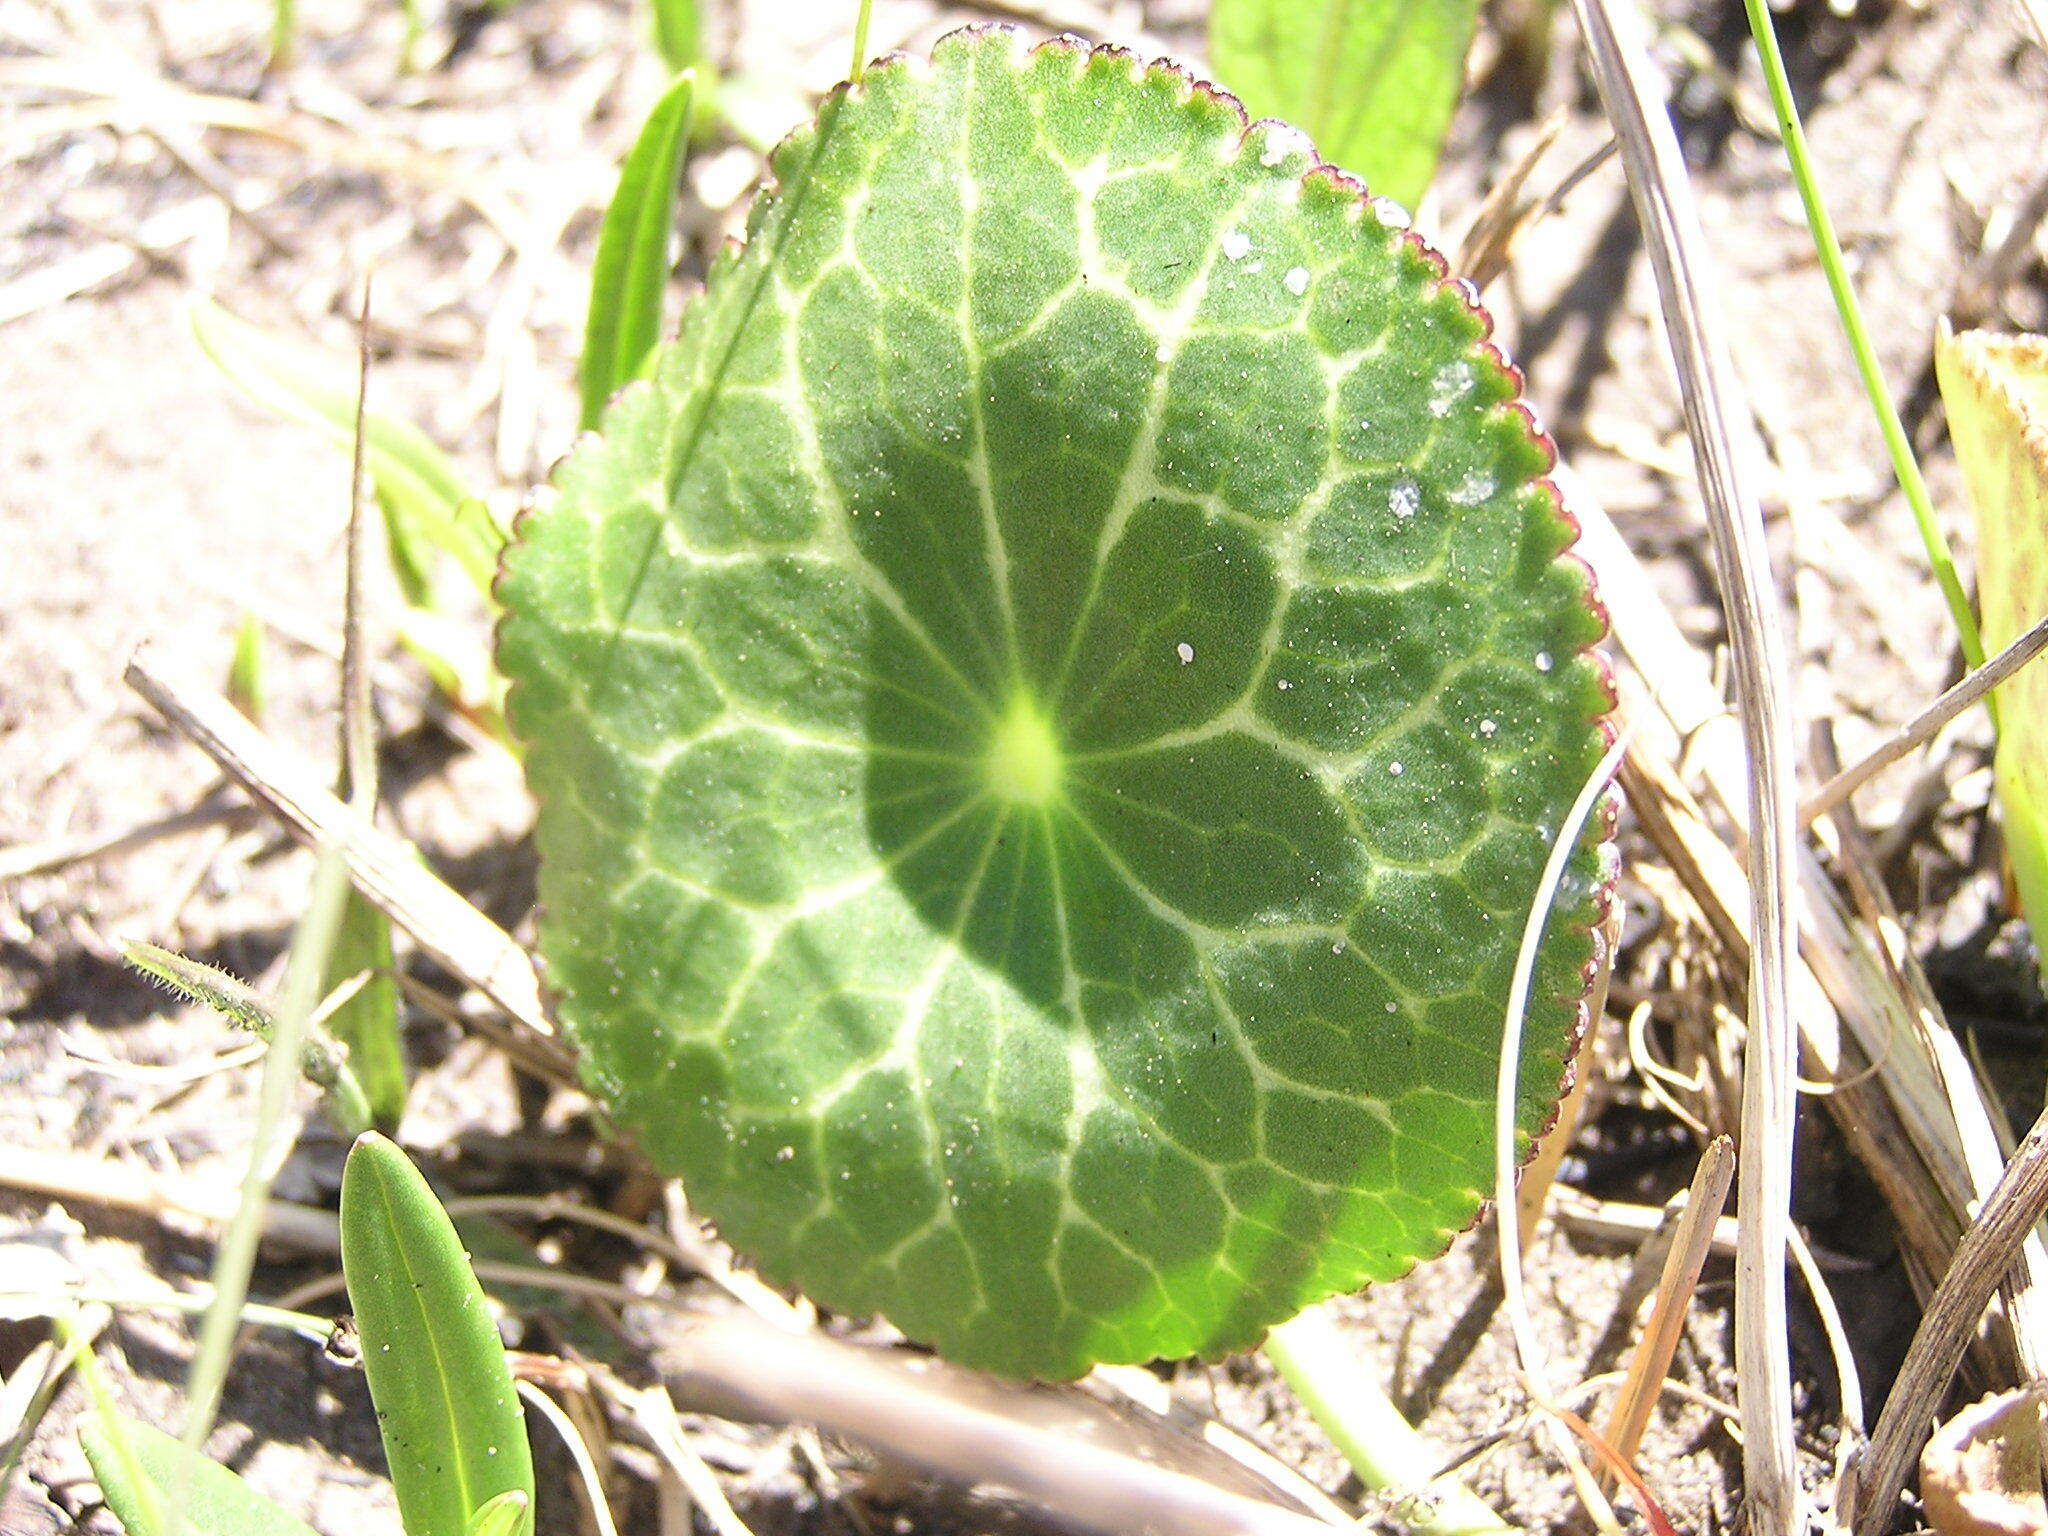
[[358, 710]]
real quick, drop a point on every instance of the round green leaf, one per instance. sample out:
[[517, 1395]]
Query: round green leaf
[[1047, 714]]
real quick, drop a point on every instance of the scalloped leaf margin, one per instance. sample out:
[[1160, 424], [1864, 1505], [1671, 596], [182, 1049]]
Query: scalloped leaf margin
[[1048, 711]]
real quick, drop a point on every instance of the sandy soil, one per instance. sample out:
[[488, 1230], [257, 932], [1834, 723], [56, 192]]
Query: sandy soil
[[142, 499]]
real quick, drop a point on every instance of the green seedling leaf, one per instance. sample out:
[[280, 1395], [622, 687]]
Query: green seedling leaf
[[506, 1515], [678, 36], [1374, 81], [453, 1431], [427, 509], [366, 1022], [631, 276], [1996, 392], [245, 669], [145, 1473], [1048, 712]]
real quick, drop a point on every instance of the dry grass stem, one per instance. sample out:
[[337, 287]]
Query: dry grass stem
[[587, 1475], [49, 857], [169, 1198], [1921, 728], [1507, 1085], [385, 869], [1983, 1260], [651, 1410], [1692, 1241], [1859, 1027], [1977, 1121], [358, 712], [1662, 192], [1619, 1221], [954, 1426]]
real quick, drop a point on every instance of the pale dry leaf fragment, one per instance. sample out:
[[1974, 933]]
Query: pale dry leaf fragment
[[1981, 1473]]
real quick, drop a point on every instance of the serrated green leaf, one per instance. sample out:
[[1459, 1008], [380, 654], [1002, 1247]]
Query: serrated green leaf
[[454, 1435], [427, 509], [1373, 81], [145, 1473], [367, 1021], [1996, 392], [1047, 713], [630, 278]]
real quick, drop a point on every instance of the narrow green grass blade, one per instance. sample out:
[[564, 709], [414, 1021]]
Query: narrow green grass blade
[[235, 1257], [1374, 82], [861, 18], [453, 1431], [427, 508], [1996, 391], [678, 33], [138, 1469], [630, 279], [367, 1022], [1829, 250], [1384, 1449]]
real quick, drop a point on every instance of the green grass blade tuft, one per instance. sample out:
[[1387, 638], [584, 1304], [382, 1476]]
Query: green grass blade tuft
[[630, 279], [454, 1434], [1374, 82]]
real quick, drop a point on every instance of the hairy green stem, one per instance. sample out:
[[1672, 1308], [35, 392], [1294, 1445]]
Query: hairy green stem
[[322, 1058], [1829, 249]]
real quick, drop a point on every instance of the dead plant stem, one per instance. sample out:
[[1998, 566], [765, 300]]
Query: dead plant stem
[[1662, 192]]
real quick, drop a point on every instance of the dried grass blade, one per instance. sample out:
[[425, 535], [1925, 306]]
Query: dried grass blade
[[1890, 1100], [1984, 1258], [1921, 728], [1691, 1242], [385, 869], [1662, 193]]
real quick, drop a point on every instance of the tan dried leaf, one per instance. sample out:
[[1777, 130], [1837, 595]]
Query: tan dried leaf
[[1981, 1473]]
